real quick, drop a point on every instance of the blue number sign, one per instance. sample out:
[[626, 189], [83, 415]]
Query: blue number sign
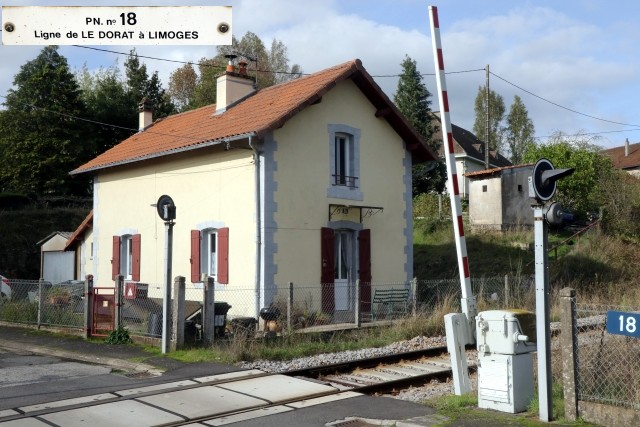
[[621, 323]]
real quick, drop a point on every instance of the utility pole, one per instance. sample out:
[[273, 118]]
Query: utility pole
[[488, 121]]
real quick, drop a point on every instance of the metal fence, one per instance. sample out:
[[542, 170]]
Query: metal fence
[[295, 305], [608, 364], [43, 303]]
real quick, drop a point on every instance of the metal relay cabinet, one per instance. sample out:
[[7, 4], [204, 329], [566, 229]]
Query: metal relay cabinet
[[505, 340]]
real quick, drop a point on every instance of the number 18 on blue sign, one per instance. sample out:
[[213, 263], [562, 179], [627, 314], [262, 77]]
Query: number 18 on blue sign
[[621, 323]]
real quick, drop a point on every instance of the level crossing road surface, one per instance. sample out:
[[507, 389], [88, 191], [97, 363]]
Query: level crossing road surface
[[44, 386]]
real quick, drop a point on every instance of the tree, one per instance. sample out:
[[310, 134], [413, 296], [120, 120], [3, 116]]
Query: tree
[[269, 66], [496, 114], [40, 138], [139, 85], [182, 85], [412, 99], [579, 192], [108, 104], [519, 131]]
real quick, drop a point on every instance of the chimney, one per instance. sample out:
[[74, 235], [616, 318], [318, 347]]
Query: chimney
[[145, 114], [626, 147], [233, 86]]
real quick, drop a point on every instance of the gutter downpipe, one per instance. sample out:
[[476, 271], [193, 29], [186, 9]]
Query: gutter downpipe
[[258, 290]]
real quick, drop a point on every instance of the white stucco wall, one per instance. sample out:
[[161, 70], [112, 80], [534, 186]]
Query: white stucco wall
[[209, 185], [485, 207], [303, 176]]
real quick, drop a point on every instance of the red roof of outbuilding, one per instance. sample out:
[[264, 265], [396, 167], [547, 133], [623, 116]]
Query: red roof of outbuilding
[[622, 161], [259, 113]]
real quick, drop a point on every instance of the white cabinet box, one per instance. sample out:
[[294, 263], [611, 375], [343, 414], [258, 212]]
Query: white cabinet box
[[506, 331], [505, 382]]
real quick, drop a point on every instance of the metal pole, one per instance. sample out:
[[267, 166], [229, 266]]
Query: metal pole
[[487, 132], [543, 331], [468, 301], [166, 324]]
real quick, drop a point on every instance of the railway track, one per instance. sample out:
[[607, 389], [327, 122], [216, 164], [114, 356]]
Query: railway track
[[384, 373], [240, 395]]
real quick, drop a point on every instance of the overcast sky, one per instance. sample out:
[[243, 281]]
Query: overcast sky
[[580, 55]]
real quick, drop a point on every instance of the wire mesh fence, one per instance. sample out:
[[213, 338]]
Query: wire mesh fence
[[43, 303], [244, 309], [608, 364]]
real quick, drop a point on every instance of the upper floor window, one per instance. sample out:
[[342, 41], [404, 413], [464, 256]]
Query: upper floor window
[[344, 156], [344, 153]]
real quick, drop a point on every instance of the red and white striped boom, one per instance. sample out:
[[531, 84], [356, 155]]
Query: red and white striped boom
[[468, 301]]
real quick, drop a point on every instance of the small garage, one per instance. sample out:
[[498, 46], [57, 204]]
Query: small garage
[[56, 265]]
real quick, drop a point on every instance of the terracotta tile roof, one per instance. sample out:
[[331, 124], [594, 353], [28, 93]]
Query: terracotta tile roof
[[261, 112], [496, 171], [465, 142], [86, 224], [621, 161]]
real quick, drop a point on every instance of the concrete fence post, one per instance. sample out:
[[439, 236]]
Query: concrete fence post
[[88, 306], [358, 317], [177, 327], [290, 308], [118, 292], [506, 291], [41, 298], [414, 297], [209, 315], [569, 348]]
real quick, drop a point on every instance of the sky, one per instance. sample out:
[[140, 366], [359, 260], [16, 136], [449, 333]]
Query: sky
[[574, 63]]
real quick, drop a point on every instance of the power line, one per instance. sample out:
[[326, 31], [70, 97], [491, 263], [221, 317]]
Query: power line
[[562, 106], [175, 61], [70, 116], [206, 64]]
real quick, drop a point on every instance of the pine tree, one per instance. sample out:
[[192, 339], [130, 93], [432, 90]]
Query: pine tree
[[140, 85], [40, 140], [413, 100]]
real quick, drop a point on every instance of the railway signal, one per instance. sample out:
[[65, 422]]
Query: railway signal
[[542, 187]]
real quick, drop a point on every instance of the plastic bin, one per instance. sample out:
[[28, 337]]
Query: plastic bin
[[220, 310]]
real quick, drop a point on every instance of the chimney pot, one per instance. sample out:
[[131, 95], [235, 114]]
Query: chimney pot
[[243, 68], [230, 67], [145, 114], [626, 147]]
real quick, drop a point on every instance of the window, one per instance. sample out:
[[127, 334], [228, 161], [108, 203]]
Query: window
[[520, 188], [342, 254], [344, 170], [344, 161], [484, 188], [210, 254], [126, 257]]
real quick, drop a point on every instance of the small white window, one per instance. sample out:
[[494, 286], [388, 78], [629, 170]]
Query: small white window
[[209, 251], [126, 256]]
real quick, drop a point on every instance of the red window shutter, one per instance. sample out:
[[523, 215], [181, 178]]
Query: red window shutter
[[115, 258], [135, 252], [223, 255], [326, 272], [364, 256], [195, 256]]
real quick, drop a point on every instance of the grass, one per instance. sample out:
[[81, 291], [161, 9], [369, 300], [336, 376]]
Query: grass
[[465, 408]]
